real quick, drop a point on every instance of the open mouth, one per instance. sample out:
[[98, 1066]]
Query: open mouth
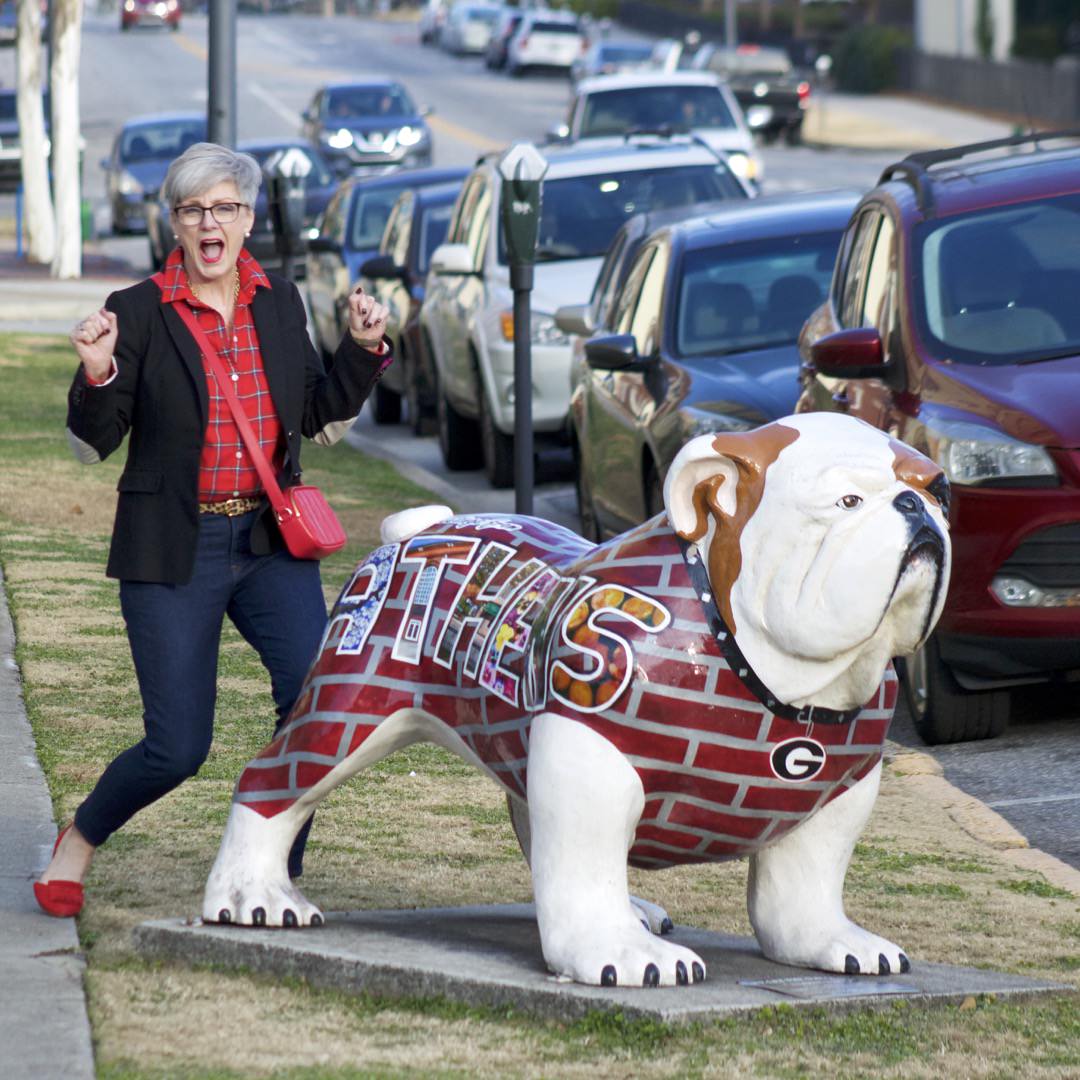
[[212, 250]]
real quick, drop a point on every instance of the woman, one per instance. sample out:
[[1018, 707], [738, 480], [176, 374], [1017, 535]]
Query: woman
[[194, 539]]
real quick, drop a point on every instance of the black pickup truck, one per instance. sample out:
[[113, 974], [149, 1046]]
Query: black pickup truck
[[772, 93]]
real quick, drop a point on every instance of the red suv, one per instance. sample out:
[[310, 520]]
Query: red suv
[[953, 323]]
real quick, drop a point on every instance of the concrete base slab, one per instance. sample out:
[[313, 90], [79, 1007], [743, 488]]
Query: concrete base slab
[[490, 956]]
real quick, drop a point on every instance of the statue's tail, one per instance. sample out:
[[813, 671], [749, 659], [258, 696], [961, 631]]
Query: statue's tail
[[407, 523]]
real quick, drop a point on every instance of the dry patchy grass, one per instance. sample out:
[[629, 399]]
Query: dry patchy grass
[[422, 829]]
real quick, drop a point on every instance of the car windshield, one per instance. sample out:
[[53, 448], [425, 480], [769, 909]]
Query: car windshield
[[751, 61], [317, 176], [553, 28], [753, 295], [579, 215], [621, 54], [1000, 286], [164, 140], [370, 213], [350, 102], [433, 228], [485, 15], [650, 108]]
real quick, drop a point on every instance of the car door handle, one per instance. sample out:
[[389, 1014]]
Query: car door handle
[[840, 398]]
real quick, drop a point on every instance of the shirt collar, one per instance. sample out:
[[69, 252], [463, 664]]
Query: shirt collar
[[175, 284]]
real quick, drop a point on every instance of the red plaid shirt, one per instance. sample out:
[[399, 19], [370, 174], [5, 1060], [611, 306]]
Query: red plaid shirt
[[225, 467]]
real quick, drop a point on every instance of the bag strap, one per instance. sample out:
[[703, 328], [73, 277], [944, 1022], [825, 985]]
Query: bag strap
[[225, 386]]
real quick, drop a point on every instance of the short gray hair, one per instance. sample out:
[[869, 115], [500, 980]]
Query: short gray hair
[[203, 166]]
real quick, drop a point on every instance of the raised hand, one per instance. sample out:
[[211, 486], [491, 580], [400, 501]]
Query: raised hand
[[95, 343], [367, 319]]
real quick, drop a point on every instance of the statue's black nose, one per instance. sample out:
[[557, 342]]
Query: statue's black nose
[[909, 504]]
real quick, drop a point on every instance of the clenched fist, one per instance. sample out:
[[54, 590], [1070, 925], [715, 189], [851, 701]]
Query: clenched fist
[[367, 319], [95, 342]]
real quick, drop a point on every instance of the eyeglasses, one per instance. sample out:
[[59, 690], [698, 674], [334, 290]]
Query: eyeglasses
[[224, 213]]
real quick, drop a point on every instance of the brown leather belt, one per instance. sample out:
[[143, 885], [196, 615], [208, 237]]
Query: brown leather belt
[[231, 507]]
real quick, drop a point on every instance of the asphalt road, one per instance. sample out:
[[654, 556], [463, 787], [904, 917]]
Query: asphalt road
[[1028, 775]]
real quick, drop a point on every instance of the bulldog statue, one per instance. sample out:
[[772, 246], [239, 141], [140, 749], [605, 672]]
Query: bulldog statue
[[713, 683]]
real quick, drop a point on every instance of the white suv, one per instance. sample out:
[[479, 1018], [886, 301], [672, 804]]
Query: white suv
[[677, 101], [548, 39], [466, 322]]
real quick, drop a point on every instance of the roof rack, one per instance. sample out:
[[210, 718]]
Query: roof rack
[[915, 168]]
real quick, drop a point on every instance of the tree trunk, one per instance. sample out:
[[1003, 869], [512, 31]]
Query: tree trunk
[[764, 14], [37, 198], [66, 33], [871, 12], [798, 21]]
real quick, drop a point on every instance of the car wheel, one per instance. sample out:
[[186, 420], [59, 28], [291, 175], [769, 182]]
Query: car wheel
[[385, 405], [457, 436], [793, 135], [942, 711], [590, 527], [498, 447], [419, 418], [653, 491]]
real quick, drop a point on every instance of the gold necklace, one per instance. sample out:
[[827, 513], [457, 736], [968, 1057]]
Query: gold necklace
[[236, 287]]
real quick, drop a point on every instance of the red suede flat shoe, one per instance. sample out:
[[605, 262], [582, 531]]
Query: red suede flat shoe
[[61, 899]]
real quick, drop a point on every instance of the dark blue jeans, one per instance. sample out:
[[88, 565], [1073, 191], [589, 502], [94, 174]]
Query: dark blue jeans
[[276, 603]]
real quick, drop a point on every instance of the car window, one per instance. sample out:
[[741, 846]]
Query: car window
[[627, 300], [164, 140], [862, 244], [539, 26], [1000, 286], [603, 289], [645, 321], [879, 277], [753, 295], [434, 223], [650, 108], [579, 215], [480, 226], [397, 228], [370, 211], [333, 219], [347, 102], [464, 209]]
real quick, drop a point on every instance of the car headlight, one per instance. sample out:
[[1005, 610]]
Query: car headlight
[[129, 5], [128, 185], [410, 136], [341, 139], [971, 454], [543, 329], [744, 166]]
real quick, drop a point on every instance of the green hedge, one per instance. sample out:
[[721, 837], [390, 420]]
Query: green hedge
[[865, 58]]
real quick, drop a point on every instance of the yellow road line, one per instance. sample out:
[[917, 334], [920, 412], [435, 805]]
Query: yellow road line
[[464, 134]]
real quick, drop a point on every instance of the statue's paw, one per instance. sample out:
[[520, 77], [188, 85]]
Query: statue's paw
[[268, 904], [851, 950], [625, 954], [653, 916]]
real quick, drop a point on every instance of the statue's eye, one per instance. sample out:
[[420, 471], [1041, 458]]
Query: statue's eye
[[849, 502]]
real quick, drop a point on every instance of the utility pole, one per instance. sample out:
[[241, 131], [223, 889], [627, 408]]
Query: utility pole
[[221, 104], [731, 38]]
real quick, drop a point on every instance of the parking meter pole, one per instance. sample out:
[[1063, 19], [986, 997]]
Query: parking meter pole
[[521, 281], [221, 73]]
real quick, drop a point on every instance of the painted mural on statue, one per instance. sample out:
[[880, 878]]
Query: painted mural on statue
[[713, 683]]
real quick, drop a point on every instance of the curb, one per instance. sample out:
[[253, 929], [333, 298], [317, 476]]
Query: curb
[[925, 775]]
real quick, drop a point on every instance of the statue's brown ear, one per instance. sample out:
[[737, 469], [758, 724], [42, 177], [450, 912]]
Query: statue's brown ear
[[699, 479]]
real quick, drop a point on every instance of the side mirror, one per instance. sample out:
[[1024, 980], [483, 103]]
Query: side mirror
[[307, 115], [574, 319], [323, 244], [381, 266], [850, 354], [452, 259], [614, 352], [426, 110]]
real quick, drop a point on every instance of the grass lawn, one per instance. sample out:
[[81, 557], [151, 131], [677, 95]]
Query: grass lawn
[[422, 829]]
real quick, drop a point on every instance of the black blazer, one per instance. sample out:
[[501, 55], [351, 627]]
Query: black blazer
[[160, 395]]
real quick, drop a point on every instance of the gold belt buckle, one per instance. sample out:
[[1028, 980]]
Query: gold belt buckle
[[230, 507]]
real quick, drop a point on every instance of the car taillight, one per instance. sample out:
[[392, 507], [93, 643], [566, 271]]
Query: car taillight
[[803, 90], [524, 41]]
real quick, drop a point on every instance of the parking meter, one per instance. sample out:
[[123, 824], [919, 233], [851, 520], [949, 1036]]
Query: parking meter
[[522, 169], [286, 173]]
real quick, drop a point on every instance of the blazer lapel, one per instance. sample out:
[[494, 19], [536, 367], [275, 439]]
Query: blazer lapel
[[275, 362], [190, 354]]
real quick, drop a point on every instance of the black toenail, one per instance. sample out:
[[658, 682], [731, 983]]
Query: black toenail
[[289, 918], [681, 978], [652, 975], [883, 965], [316, 919], [697, 971], [851, 965], [608, 977], [666, 926], [224, 915], [905, 964], [258, 917]]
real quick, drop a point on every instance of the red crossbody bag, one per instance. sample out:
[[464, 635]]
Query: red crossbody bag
[[308, 525]]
